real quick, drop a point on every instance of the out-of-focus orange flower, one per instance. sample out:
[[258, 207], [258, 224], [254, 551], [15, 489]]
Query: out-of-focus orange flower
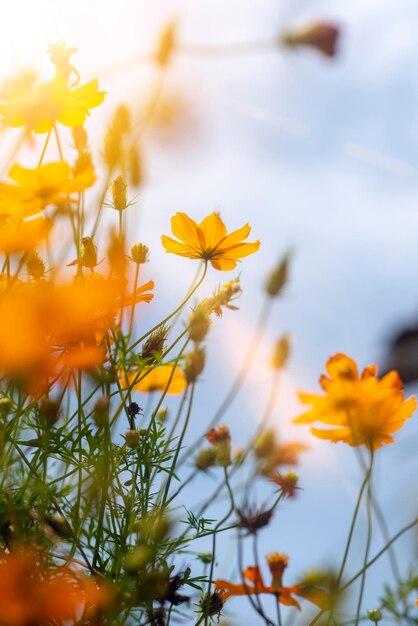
[[320, 35], [209, 241], [34, 189], [255, 586], [56, 327], [157, 379], [363, 409], [32, 594], [40, 107], [18, 236]]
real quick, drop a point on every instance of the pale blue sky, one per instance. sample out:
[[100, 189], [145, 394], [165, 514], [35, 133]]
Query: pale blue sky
[[318, 156]]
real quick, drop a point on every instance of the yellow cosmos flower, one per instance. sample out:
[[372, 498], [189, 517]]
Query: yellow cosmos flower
[[18, 236], [364, 410], [41, 107], [156, 379], [35, 189], [209, 241]]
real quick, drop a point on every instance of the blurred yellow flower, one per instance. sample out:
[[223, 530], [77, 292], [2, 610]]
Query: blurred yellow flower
[[35, 189], [40, 107], [156, 379], [18, 236], [364, 410], [209, 241]]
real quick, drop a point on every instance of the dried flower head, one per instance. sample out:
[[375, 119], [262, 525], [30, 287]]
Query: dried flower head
[[253, 520]]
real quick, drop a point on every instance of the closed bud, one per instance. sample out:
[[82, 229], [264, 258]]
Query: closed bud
[[162, 414], [113, 149], [5, 406], [154, 345], [194, 364], [139, 253], [101, 411], [79, 136], [49, 411], [122, 119], [135, 168], [35, 266], [199, 323], [278, 277], [166, 45], [375, 615], [264, 444], [137, 559], [118, 191], [281, 353], [205, 459], [132, 438], [220, 439]]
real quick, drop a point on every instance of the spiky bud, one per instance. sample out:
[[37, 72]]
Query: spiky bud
[[139, 253]]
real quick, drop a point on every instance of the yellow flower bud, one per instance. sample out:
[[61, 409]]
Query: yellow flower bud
[[166, 45], [278, 277], [139, 253], [79, 136], [135, 169], [118, 191], [281, 352], [194, 364], [35, 266], [101, 411], [205, 458], [199, 323]]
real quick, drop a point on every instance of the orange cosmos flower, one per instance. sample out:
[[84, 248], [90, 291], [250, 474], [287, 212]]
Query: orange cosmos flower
[[156, 379], [40, 107], [363, 409], [32, 594], [18, 236], [209, 241], [34, 189], [255, 586]]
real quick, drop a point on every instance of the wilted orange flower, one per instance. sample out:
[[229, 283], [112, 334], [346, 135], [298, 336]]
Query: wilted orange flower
[[32, 594], [277, 564], [364, 410], [34, 189], [209, 241], [156, 379], [40, 107], [18, 236]]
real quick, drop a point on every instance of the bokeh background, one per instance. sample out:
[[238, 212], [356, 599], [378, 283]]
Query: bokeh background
[[319, 156]]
